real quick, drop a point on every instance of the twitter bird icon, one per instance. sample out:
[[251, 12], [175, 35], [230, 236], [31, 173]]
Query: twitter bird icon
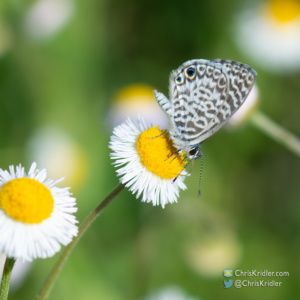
[[228, 284]]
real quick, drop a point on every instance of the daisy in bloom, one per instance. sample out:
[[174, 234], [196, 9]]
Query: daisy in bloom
[[47, 17], [35, 215], [147, 162], [269, 34], [57, 151], [134, 100], [170, 292]]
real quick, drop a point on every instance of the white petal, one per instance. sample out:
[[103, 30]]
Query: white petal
[[133, 173], [30, 241]]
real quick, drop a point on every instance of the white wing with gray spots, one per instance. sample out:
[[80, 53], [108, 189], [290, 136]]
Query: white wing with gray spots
[[204, 94]]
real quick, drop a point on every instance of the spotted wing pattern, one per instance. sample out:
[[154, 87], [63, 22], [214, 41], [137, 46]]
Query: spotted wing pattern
[[202, 101]]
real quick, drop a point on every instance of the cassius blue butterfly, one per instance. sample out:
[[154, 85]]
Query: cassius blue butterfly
[[204, 94]]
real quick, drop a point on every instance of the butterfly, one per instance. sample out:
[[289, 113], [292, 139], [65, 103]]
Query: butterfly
[[204, 94]]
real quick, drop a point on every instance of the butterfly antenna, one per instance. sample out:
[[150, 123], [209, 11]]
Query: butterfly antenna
[[201, 166], [177, 176]]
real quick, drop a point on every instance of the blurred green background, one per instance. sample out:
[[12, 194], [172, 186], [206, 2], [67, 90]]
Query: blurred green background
[[67, 77]]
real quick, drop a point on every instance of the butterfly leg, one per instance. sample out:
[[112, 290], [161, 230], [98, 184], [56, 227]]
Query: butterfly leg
[[163, 102], [178, 152]]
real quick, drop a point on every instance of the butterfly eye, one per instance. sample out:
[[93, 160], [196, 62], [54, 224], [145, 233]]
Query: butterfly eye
[[193, 151], [190, 73], [179, 79]]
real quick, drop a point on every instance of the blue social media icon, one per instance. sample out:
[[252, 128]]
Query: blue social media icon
[[227, 273], [228, 284]]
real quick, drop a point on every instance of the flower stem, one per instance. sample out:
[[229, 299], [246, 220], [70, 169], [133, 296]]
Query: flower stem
[[4, 287], [45, 291], [276, 132]]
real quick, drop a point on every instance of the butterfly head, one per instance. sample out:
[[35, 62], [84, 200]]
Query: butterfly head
[[194, 152]]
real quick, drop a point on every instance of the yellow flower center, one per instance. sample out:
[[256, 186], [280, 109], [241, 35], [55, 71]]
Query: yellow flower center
[[284, 11], [154, 151], [26, 200]]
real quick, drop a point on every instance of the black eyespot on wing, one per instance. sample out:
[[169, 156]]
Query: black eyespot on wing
[[179, 79], [190, 71]]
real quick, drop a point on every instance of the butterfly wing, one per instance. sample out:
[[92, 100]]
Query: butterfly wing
[[240, 79], [201, 102]]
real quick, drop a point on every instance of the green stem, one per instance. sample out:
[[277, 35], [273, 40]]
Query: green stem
[[276, 132], [4, 287], [45, 291]]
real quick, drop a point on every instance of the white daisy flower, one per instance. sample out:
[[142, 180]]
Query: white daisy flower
[[170, 293], [46, 17], [208, 254], [35, 215], [55, 150], [269, 34], [146, 163], [134, 100]]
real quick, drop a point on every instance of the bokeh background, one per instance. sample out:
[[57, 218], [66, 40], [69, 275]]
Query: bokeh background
[[70, 70]]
